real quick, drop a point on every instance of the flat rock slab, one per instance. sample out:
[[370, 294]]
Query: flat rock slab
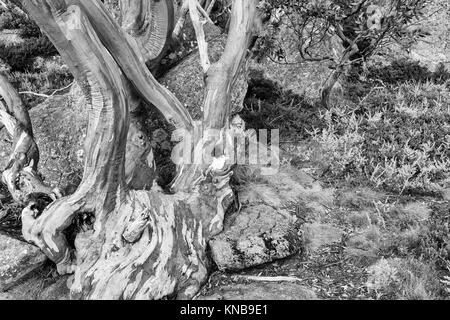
[[266, 230], [259, 234], [262, 291], [17, 260]]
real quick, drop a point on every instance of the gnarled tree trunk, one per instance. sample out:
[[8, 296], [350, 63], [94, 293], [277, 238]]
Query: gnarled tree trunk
[[151, 23], [134, 244]]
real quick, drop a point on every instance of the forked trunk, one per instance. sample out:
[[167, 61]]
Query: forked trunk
[[133, 244]]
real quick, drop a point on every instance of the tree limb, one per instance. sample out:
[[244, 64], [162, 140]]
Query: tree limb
[[195, 9], [222, 75], [219, 81], [150, 23]]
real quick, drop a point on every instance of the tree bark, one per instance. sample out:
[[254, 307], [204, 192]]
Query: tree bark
[[132, 244], [220, 79], [151, 23]]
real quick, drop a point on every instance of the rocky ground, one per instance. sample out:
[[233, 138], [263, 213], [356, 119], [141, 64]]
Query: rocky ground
[[331, 240]]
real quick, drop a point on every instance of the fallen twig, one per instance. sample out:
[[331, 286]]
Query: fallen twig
[[46, 95], [270, 279]]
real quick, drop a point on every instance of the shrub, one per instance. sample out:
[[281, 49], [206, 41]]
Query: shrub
[[405, 279], [20, 56], [404, 70], [435, 243], [12, 19], [48, 75], [395, 137]]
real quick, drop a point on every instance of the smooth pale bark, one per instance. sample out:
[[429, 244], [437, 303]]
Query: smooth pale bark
[[220, 79], [103, 184], [181, 20], [179, 25], [131, 244], [150, 23], [196, 10], [139, 19]]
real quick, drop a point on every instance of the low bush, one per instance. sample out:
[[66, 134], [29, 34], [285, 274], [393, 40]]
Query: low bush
[[15, 19], [48, 76], [21, 56], [394, 137], [403, 70], [404, 279], [435, 243]]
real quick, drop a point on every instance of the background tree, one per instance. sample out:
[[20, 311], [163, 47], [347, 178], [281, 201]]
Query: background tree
[[363, 27]]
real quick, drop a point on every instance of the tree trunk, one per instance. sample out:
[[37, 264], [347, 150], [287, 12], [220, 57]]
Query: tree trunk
[[151, 23], [132, 244], [220, 79], [340, 69]]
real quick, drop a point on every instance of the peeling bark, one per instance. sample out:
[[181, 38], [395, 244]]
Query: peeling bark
[[150, 23]]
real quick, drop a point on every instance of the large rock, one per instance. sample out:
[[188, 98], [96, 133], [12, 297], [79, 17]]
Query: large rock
[[262, 291], [267, 228], [258, 235], [17, 261]]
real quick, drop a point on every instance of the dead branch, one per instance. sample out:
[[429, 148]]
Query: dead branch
[[195, 9]]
